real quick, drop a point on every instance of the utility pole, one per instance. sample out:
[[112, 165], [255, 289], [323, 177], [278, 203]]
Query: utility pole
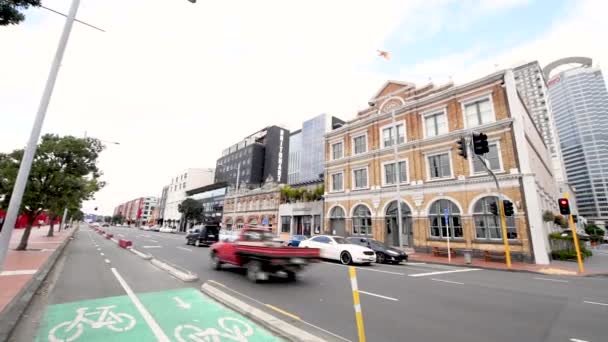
[[30, 149]]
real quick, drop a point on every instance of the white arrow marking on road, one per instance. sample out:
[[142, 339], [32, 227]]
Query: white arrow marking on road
[[182, 304]]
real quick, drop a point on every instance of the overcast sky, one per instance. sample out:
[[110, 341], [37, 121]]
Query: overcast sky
[[176, 82]]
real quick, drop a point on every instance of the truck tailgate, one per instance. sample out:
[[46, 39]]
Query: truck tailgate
[[278, 252]]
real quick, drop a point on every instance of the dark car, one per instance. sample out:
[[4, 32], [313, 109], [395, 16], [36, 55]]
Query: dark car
[[294, 240], [105, 225], [203, 235], [383, 254]]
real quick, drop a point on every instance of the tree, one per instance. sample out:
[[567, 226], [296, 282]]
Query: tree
[[11, 10], [191, 209], [117, 219], [548, 216], [64, 173], [592, 229]]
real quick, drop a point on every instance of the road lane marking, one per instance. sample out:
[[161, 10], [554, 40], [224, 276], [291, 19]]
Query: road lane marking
[[549, 279], [364, 268], [186, 249], [153, 240], [596, 303], [101, 254], [152, 246], [288, 314], [377, 295], [107, 261], [156, 330], [17, 272], [120, 235], [258, 302], [577, 340], [443, 272], [447, 281], [98, 249]]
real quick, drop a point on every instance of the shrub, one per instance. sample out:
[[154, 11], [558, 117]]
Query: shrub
[[548, 216]]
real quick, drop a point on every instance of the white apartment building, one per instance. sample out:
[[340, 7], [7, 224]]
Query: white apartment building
[[186, 180]]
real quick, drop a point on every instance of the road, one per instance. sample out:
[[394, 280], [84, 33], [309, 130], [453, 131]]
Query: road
[[414, 302]]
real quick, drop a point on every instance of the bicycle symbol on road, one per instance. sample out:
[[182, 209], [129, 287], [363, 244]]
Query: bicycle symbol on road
[[233, 329], [71, 330]]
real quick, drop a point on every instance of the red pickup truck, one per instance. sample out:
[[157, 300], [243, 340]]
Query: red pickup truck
[[255, 250]]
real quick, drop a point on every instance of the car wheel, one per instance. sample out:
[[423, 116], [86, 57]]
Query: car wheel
[[291, 276], [216, 264], [345, 258], [253, 270], [380, 258]]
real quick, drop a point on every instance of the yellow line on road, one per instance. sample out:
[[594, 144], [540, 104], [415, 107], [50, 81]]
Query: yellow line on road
[[283, 312]]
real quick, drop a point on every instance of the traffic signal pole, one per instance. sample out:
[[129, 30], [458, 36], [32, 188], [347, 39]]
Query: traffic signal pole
[[577, 247]]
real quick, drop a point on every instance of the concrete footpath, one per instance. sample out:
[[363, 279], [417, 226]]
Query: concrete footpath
[[24, 271]]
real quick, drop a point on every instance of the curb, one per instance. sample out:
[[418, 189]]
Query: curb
[[185, 276], [277, 326], [13, 311], [140, 254]]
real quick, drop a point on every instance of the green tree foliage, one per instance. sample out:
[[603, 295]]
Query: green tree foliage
[[117, 219], [561, 221], [290, 195], [548, 216], [592, 229], [64, 173], [191, 209], [11, 11]]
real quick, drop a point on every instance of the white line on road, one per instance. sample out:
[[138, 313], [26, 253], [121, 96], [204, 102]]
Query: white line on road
[[158, 332], [101, 254], [186, 249], [107, 261], [596, 303], [577, 340], [377, 295], [153, 240], [17, 272], [447, 281], [120, 235], [549, 279], [152, 246], [443, 272], [364, 268], [98, 249]]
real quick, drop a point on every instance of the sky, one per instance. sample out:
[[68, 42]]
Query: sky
[[175, 83]]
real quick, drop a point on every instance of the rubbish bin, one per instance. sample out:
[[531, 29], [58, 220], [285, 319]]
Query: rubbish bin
[[467, 256]]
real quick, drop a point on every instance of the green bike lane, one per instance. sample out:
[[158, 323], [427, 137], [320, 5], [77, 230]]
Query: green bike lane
[[103, 293]]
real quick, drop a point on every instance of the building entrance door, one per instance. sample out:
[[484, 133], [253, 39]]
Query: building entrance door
[[392, 226], [337, 222]]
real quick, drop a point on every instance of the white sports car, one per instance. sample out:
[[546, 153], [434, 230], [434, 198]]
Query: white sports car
[[337, 248]]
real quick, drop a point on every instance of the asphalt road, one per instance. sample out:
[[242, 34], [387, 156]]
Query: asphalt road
[[411, 302]]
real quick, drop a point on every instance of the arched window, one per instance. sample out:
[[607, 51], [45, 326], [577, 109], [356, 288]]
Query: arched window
[[362, 221], [487, 225], [437, 219], [337, 212]]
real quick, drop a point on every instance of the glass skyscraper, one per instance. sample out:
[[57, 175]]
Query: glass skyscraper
[[579, 101]]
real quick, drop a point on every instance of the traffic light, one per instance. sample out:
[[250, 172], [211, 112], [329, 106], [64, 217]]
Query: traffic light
[[494, 208], [508, 206], [462, 147], [564, 206], [480, 143]]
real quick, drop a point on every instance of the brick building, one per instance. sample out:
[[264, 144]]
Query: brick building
[[435, 181], [258, 207]]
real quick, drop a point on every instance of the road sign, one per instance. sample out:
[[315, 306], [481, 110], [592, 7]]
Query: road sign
[[185, 314], [265, 221]]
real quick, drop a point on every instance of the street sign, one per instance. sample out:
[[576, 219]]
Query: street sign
[[265, 221], [185, 314]]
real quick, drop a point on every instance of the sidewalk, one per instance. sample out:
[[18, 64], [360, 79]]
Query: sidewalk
[[21, 266], [596, 265]]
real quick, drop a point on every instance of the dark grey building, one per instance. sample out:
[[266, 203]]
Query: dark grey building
[[262, 154]]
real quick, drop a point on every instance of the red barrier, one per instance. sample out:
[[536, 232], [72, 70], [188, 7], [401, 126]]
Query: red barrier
[[124, 243], [109, 236]]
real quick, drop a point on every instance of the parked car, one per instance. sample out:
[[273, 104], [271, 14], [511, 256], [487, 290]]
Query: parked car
[[167, 230], [155, 228], [338, 248], [255, 250], [206, 235], [295, 240], [384, 254], [105, 225]]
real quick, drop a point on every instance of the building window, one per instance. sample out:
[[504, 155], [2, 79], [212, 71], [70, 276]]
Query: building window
[[337, 181], [437, 219], [439, 166], [492, 160], [487, 225], [479, 112], [360, 178], [362, 221], [264, 203], [360, 144], [337, 151], [390, 174], [435, 124], [285, 224], [317, 224], [392, 134]]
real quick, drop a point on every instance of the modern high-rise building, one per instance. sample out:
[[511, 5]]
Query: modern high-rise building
[[579, 102], [307, 149], [532, 87]]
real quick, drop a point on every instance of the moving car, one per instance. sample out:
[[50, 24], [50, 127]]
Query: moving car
[[255, 250], [203, 235], [338, 248], [384, 254], [294, 240]]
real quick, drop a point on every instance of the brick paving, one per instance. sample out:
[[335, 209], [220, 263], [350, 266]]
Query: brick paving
[[40, 248]]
